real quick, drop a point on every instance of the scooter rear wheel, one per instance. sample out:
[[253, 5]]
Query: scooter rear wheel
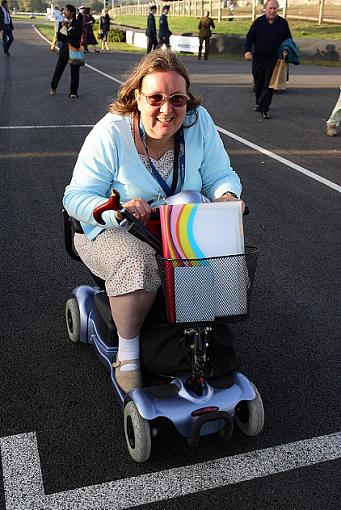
[[249, 416], [137, 433], [72, 318]]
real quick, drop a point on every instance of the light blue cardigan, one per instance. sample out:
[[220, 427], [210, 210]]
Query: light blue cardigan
[[109, 160]]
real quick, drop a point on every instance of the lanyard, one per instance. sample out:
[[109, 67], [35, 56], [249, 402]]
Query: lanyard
[[178, 164]]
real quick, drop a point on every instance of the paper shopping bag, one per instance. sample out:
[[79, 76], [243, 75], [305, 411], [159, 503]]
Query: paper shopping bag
[[279, 76]]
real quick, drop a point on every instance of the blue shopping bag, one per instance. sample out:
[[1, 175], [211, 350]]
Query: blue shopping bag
[[76, 56]]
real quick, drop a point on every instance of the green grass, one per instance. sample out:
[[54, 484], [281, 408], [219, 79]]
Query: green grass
[[20, 17], [46, 28], [189, 24], [48, 31]]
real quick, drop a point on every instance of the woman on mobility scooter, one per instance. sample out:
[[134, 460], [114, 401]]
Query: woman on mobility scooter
[[155, 141]]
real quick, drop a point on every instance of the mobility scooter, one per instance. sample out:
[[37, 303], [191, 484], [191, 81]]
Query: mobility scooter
[[197, 403]]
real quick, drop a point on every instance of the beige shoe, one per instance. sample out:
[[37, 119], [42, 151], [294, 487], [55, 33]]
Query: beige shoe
[[130, 379], [331, 130], [52, 92]]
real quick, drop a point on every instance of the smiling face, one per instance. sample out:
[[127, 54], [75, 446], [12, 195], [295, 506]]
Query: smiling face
[[161, 122]]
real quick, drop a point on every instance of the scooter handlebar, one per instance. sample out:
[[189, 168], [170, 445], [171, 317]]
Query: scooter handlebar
[[113, 204]]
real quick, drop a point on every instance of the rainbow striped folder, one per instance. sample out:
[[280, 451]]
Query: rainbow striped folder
[[201, 289]]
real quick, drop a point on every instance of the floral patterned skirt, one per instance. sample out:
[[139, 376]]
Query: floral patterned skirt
[[125, 263]]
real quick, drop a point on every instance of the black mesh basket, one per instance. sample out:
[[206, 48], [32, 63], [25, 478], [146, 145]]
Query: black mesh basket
[[203, 289]]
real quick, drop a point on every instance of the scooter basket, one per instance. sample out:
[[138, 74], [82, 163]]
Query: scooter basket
[[201, 290]]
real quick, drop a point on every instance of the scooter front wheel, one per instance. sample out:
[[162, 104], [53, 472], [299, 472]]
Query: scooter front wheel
[[137, 433], [249, 416], [72, 318]]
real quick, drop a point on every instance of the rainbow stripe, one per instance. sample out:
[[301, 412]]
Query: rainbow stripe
[[178, 232]]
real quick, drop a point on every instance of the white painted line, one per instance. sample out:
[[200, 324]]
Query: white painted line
[[268, 153], [49, 127], [281, 159], [104, 74], [86, 65], [24, 487], [42, 36]]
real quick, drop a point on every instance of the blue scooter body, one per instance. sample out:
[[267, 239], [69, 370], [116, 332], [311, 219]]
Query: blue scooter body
[[178, 403]]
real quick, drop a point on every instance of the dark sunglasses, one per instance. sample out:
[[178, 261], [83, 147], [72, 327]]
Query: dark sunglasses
[[176, 100]]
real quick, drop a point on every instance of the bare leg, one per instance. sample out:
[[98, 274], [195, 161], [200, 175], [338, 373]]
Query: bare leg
[[130, 310]]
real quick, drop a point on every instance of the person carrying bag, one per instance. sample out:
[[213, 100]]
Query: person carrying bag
[[69, 35]]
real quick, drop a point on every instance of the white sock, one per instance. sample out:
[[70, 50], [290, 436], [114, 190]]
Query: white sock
[[128, 349]]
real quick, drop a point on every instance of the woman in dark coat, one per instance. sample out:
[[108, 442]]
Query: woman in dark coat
[[88, 36]]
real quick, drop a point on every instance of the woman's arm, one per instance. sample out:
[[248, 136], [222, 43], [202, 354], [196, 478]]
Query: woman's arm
[[92, 178], [74, 33], [217, 174]]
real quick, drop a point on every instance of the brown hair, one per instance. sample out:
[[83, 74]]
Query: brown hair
[[157, 61]]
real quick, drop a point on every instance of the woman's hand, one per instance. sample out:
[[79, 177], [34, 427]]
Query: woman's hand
[[248, 55], [140, 209], [230, 198]]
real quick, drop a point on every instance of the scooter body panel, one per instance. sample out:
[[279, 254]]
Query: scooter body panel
[[84, 295], [178, 407]]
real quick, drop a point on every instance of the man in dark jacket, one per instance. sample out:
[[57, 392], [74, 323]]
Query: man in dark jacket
[[6, 27], [152, 42], [69, 32], [265, 37], [205, 33], [164, 32]]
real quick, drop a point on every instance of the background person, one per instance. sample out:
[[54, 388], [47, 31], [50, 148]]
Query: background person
[[132, 150], [265, 37], [88, 37], [152, 42], [6, 27], [205, 33], [58, 18], [80, 14], [73, 30], [334, 120], [104, 28], [164, 32], [230, 5]]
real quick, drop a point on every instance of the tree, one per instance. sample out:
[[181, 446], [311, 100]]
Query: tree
[[32, 5]]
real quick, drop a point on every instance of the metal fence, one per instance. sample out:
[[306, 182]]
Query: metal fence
[[320, 11]]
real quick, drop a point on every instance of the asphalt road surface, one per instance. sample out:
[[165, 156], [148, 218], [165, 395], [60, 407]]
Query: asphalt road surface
[[56, 397]]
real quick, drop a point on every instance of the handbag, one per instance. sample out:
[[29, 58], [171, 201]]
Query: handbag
[[76, 56], [279, 75]]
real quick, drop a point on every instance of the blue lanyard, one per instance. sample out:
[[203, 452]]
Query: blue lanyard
[[179, 161]]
